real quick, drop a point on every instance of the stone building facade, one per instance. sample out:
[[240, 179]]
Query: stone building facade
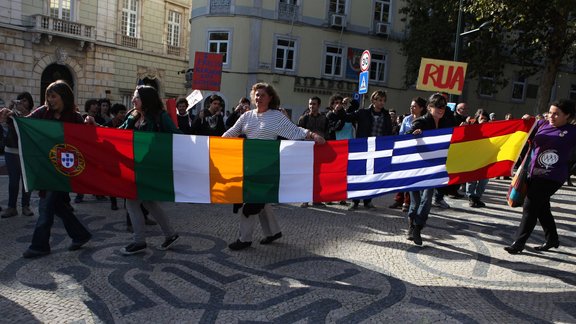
[[103, 48]]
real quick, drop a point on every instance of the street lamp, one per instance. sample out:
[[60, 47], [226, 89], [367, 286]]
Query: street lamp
[[459, 36], [472, 31]]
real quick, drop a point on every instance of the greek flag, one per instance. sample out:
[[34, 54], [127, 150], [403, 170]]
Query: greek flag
[[378, 165]]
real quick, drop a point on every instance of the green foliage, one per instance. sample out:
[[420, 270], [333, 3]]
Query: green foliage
[[431, 33], [535, 35]]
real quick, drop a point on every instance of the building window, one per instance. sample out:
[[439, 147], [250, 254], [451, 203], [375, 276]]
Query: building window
[[486, 86], [333, 61], [337, 7], [519, 90], [572, 94], [218, 42], [61, 9], [288, 9], [130, 18], [219, 6], [382, 11], [174, 19], [285, 54], [378, 67]]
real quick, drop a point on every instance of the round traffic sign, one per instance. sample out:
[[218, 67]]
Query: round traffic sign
[[365, 61]]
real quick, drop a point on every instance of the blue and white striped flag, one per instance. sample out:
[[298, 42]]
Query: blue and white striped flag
[[378, 165]]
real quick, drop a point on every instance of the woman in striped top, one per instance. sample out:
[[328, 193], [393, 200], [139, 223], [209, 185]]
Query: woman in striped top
[[266, 122]]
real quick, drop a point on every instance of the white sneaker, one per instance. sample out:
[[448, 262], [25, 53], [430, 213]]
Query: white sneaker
[[441, 203]]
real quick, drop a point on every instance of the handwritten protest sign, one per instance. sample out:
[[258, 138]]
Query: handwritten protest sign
[[207, 71], [439, 75]]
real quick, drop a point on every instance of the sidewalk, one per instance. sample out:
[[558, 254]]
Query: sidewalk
[[331, 266]]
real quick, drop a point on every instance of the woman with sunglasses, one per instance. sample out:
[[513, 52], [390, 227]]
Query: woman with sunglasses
[[421, 201]]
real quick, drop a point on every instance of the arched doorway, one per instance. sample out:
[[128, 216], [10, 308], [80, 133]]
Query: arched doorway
[[52, 73]]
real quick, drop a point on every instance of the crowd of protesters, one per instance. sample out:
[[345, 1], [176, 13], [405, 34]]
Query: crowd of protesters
[[261, 117]]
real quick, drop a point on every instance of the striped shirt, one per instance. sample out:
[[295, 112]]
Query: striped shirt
[[267, 125]]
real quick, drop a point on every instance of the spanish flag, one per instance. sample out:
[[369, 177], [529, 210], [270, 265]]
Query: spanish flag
[[187, 168]]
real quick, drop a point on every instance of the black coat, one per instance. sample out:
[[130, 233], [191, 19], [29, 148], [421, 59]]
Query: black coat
[[427, 122], [210, 125], [185, 122], [364, 120]]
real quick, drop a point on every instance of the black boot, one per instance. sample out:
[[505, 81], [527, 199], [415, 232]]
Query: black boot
[[410, 229], [113, 203], [515, 248], [416, 234]]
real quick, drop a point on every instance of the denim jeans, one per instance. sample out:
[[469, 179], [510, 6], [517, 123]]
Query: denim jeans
[[53, 204], [439, 194], [14, 179], [420, 204], [475, 189]]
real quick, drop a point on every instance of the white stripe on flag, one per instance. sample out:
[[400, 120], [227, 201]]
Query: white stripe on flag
[[190, 167], [397, 174], [423, 141], [296, 171], [426, 183], [369, 155], [419, 156]]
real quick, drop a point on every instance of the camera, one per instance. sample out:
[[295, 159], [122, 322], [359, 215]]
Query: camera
[[15, 109]]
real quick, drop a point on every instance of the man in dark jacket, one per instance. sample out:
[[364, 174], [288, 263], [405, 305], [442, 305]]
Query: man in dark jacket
[[185, 117], [210, 121]]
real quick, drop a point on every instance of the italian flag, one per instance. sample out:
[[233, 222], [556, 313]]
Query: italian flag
[[186, 168]]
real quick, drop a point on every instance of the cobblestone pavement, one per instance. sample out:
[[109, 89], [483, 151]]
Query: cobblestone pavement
[[331, 266]]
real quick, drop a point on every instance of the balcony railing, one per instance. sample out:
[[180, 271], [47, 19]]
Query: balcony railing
[[287, 11], [173, 50], [63, 28], [129, 41], [220, 6]]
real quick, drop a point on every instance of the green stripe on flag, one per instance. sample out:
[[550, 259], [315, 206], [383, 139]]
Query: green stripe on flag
[[37, 137], [153, 166], [261, 171]]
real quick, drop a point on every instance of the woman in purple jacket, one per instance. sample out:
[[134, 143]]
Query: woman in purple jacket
[[553, 142]]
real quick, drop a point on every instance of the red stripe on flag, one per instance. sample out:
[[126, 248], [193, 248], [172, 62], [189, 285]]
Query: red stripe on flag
[[171, 109], [330, 171], [491, 129], [498, 169], [109, 160]]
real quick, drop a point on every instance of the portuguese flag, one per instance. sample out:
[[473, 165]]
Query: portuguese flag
[[187, 168]]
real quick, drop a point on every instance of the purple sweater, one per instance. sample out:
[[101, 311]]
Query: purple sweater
[[551, 151]]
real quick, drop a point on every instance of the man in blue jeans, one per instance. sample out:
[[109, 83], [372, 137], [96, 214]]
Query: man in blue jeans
[[54, 203]]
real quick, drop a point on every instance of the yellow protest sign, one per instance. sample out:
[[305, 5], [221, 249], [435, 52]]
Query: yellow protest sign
[[440, 75]]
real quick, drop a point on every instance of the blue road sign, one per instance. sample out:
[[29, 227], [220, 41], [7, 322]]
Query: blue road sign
[[363, 82], [356, 96]]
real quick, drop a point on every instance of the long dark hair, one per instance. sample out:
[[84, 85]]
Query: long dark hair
[[28, 97], [152, 105], [62, 88]]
